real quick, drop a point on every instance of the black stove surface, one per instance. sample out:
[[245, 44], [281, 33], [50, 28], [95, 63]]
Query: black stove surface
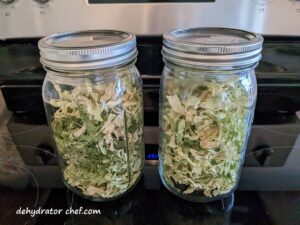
[[145, 206], [149, 203]]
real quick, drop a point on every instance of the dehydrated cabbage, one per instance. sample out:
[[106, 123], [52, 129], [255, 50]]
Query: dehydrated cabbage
[[205, 125], [98, 130]]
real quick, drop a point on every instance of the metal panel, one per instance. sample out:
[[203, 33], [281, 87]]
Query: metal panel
[[27, 18]]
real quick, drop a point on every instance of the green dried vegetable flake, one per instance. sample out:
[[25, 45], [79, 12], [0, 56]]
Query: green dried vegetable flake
[[90, 133], [204, 133]]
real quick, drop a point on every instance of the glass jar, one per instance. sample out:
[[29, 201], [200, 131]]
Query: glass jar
[[93, 100], [207, 100]]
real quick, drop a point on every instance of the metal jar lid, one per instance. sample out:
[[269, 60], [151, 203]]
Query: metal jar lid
[[212, 47], [85, 50]]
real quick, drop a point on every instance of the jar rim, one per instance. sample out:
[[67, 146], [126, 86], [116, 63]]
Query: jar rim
[[208, 69], [61, 72]]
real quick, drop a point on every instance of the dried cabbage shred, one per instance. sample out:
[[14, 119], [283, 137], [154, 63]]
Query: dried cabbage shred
[[98, 130], [204, 130]]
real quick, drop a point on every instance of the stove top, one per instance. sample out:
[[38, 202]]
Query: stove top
[[147, 206]]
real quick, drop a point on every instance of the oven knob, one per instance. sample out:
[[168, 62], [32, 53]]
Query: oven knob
[[6, 1], [41, 1]]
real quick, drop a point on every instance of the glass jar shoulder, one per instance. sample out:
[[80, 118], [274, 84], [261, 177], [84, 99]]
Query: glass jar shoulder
[[186, 81], [83, 82]]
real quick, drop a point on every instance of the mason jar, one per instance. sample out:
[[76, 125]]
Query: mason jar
[[207, 100], [93, 101]]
